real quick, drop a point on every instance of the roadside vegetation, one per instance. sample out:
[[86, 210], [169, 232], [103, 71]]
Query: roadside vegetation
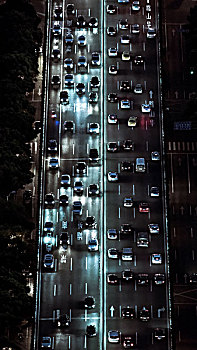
[[20, 40]]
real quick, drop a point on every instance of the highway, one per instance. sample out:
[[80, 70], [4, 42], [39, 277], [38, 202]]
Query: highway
[[77, 272]]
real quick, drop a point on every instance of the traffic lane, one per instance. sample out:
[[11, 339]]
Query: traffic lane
[[179, 179]]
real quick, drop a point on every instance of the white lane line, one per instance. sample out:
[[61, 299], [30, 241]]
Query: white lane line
[[148, 190], [147, 146], [118, 167], [86, 263], [146, 125], [188, 175], [70, 289], [191, 232], [86, 315], [131, 66], [86, 212], [71, 239], [36, 147], [193, 254], [119, 212], [75, 48], [71, 264], [89, 12], [73, 148], [86, 288], [133, 190], [134, 213], [70, 313], [144, 66], [69, 342], [57, 216], [172, 174], [88, 47], [85, 342], [119, 190], [144, 46], [135, 260], [151, 311], [118, 85], [174, 231], [135, 286], [73, 170], [120, 310], [145, 85], [151, 286], [58, 193], [54, 316], [54, 290], [87, 148], [55, 265]]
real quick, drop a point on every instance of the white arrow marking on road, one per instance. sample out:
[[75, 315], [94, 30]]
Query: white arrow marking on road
[[112, 309]]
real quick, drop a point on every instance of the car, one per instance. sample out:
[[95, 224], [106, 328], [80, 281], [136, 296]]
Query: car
[[156, 258], [123, 24], [63, 200], [112, 253], [111, 31], [57, 29], [112, 278], [154, 192], [138, 89], [112, 233], [70, 9], [112, 147], [46, 342], [54, 163], [93, 22], [93, 97], [144, 314], [151, 33], [82, 40], [27, 197], [126, 56], [127, 254], [93, 128], [63, 321], [93, 155], [135, 6], [48, 226], [93, 190], [112, 97], [148, 8], [112, 119], [128, 145], [77, 208], [135, 28], [113, 69], [64, 97], [128, 202], [90, 222], [91, 331], [138, 60], [94, 82], [126, 229], [78, 188], [127, 275], [49, 199], [96, 61], [142, 279], [111, 9], [144, 207], [193, 278], [125, 104], [125, 39], [81, 168], [159, 278], [132, 121], [155, 155], [80, 89], [53, 115], [112, 52], [89, 302], [125, 85], [128, 312], [69, 39], [82, 62], [126, 166], [81, 22], [65, 180], [93, 245], [142, 239], [114, 336], [58, 13], [48, 261], [128, 342], [55, 81], [68, 63], [64, 240], [153, 228], [145, 108], [55, 55], [159, 333], [69, 126], [112, 176], [69, 80]]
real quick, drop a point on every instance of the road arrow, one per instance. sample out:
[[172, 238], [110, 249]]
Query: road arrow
[[182, 210], [112, 310], [160, 310], [39, 91]]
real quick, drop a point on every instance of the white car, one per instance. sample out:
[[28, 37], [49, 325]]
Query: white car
[[151, 33], [82, 40], [148, 8], [93, 128], [113, 69], [125, 39], [154, 192], [65, 180], [112, 176], [155, 155], [112, 253], [112, 233], [153, 228], [54, 163], [138, 89], [145, 108], [114, 337], [93, 245], [135, 28], [132, 121], [128, 202], [126, 56], [112, 119], [135, 6], [112, 52], [125, 104], [156, 258]]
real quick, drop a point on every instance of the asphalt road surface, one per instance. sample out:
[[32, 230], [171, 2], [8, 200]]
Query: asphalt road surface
[[78, 273]]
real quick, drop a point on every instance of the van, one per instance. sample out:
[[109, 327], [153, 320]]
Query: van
[[140, 165], [127, 254]]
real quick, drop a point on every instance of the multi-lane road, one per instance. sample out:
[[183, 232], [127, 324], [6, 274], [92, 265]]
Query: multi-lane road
[[77, 272]]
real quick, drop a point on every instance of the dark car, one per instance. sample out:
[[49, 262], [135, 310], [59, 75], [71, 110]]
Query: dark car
[[90, 222], [52, 146], [126, 229], [93, 190], [78, 188], [81, 22], [64, 240], [49, 199], [55, 82], [144, 314], [128, 342], [81, 168], [159, 279], [96, 59], [93, 155], [64, 97], [63, 321], [128, 312], [69, 126], [89, 303], [125, 86], [80, 88], [63, 199], [58, 13], [93, 22], [70, 9], [128, 145], [112, 97], [94, 82], [142, 279], [138, 60], [27, 196], [91, 331], [126, 166]]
